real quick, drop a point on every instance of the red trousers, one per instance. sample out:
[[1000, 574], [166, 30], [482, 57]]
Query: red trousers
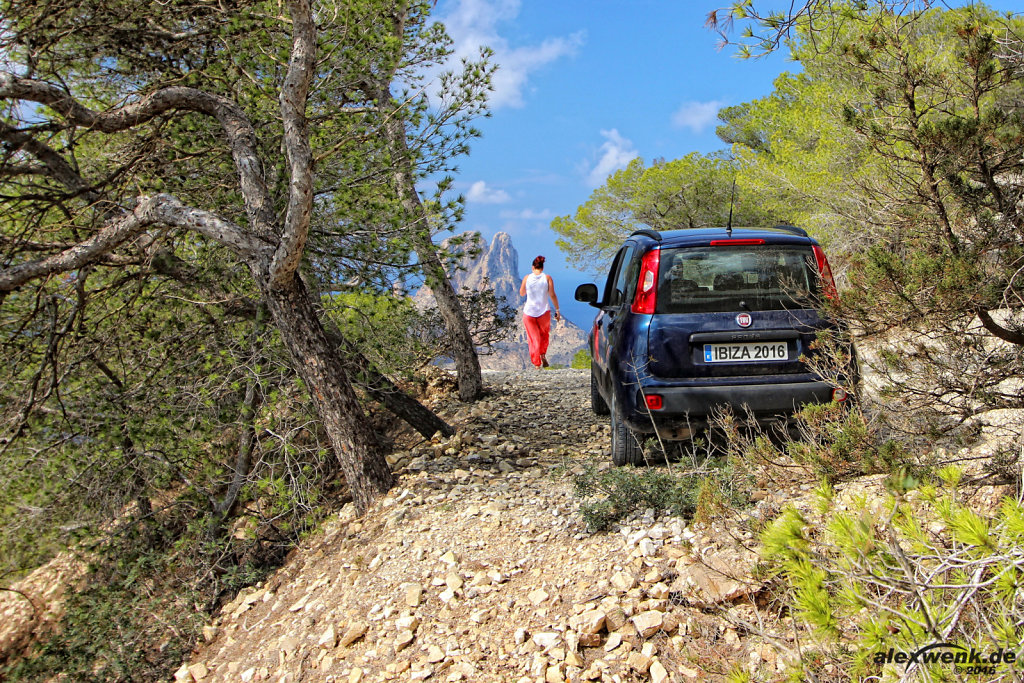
[[537, 330]]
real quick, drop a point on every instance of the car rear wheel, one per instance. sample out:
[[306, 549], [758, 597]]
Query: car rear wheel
[[625, 444], [597, 403]]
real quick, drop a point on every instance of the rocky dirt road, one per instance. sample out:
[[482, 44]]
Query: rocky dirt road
[[477, 567]]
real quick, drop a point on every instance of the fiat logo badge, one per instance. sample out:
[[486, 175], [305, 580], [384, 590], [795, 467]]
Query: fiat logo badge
[[744, 320]]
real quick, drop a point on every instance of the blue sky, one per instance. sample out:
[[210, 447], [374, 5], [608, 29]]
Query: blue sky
[[583, 88]]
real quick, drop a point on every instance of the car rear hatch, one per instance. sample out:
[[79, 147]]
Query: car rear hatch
[[734, 308]]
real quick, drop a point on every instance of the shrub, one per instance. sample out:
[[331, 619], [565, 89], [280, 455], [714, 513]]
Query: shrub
[[923, 570], [135, 618], [836, 441], [615, 493], [386, 329], [612, 494], [581, 361], [829, 440]]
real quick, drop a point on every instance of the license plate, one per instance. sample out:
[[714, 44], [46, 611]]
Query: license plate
[[746, 352]]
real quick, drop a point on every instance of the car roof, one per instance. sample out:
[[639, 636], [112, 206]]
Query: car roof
[[780, 234]]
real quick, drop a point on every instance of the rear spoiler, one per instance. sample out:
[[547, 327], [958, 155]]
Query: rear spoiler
[[656, 236]]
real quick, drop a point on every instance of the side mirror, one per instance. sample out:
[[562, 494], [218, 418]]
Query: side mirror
[[587, 294]]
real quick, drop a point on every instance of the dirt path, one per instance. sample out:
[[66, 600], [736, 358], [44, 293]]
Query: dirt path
[[476, 567]]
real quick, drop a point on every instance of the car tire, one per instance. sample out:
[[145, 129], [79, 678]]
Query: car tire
[[625, 444], [597, 403]]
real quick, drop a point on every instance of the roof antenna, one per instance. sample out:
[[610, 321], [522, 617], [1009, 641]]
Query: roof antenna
[[732, 200]]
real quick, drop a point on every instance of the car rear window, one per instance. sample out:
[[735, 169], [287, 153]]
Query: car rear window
[[736, 278]]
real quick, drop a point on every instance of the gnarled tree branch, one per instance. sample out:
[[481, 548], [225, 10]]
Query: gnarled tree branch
[[53, 164], [113, 235], [998, 330], [158, 209], [239, 130]]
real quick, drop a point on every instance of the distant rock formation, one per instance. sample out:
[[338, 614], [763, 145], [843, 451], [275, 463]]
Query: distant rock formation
[[497, 265]]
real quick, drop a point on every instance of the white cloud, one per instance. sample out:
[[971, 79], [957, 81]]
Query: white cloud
[[480, 193], [529, 215], [473, 24], [696, 116], [616, 153]]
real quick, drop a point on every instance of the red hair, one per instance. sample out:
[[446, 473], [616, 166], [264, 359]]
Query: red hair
[[538, 263]]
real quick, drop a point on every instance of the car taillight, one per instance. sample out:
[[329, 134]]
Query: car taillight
[[825, 272], [647, 286], [736, 243], [654, 402], [839, 395]]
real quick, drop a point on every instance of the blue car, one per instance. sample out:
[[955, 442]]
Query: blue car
[[692, 320]]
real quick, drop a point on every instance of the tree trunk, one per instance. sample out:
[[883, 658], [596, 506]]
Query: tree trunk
[[369, 379], [321, 367], [382, 390], [246, 446], [417, 415], [467, 364]]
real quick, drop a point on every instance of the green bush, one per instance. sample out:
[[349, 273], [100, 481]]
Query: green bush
[[836, 441], [610, 494], [136, 617], [143, 601], [581, 361], [614, 493], [911, 571], [111, 633], [386, 329], [829, 440]]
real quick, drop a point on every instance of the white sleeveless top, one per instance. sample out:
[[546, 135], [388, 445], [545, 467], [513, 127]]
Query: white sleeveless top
[[536, 295]]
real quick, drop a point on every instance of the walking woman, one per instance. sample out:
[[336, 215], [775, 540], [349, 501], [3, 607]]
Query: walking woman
[[538, 288]]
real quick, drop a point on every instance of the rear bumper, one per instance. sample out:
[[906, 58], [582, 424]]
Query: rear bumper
[[693, 405]]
